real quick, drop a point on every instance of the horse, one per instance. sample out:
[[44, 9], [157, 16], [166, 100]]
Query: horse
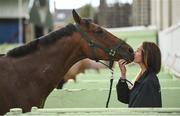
[[80, 67], [30, 72]]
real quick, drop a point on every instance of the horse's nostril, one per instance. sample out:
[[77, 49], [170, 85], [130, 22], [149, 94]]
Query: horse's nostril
[[131, 50]]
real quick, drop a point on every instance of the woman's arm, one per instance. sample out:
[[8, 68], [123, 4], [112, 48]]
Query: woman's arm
[[122, 91], [122, 87]]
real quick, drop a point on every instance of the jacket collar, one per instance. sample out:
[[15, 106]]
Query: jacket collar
[[143, 76]]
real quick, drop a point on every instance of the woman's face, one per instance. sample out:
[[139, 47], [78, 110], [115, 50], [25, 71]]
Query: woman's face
[[138, 55]]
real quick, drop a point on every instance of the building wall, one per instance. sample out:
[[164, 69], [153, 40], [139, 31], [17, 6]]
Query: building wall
[[175, 11], [165, 13], [141, 12], [117, 15], [102, 14], [9, 31], [28, 14], [166, 10], [10, 9], [29, 32]]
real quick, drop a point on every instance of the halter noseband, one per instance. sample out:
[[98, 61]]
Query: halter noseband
[[111, 52]]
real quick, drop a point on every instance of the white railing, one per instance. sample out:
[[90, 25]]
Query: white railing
[[169, 43], [96, 112]]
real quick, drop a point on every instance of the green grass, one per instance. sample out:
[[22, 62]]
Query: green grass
[[6, 47], [135, 38], [82, 98], [91, 90]]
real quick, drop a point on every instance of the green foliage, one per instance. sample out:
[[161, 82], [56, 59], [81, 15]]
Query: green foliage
[[4, 48], [85, 11]]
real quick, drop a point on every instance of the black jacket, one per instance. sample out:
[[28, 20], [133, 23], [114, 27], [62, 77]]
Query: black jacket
[[145, 92]]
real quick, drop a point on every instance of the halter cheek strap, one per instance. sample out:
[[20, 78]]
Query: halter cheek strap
[[111, 52]]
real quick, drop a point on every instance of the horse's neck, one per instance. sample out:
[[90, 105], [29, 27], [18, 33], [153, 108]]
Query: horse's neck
[[62, 56], [51, 63]]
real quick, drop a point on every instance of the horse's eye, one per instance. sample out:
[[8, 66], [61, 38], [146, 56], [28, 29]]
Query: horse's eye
[[99, 31]]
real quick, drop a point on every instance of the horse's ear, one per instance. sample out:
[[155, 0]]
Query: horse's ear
[[76, 17]]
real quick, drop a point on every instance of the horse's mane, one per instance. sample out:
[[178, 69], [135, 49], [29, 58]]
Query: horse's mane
[[44, 40]]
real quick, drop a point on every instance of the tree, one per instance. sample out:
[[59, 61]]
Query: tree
[[85, 11]]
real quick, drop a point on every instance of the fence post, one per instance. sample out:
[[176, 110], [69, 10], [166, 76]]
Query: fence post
[[15, 111], [34, 108]]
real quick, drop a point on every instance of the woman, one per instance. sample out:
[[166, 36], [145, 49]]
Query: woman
[[146, 89]]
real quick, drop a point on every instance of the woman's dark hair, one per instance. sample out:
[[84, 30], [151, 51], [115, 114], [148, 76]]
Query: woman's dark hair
[[151, 56]]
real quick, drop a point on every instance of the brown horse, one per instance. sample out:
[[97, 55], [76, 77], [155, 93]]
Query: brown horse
[[29, 73], [80, 67]]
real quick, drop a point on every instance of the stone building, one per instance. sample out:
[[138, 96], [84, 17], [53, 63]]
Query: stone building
[[141, 12], [116, 15], [161, 13]]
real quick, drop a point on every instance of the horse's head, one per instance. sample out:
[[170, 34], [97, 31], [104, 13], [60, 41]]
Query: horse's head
[[100, 44]]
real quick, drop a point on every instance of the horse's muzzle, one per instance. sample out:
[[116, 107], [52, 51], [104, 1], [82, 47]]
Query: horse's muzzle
[[128, 55]]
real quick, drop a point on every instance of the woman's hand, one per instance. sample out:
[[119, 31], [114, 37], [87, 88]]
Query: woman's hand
[[122, 67]]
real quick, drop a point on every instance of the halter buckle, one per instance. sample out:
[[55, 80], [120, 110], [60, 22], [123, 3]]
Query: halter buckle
[[112, 52], [91, 44]]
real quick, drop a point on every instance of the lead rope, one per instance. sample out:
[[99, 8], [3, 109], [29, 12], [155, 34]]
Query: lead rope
[[110, 89]]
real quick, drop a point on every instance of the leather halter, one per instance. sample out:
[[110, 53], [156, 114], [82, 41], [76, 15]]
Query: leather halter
[[111, 52]]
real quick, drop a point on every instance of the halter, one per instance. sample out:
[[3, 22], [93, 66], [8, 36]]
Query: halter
[[111, 52]]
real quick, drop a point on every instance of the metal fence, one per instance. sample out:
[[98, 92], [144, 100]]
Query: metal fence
[[169, 42]]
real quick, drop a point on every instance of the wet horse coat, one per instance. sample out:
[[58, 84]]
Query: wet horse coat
[[30, 72]]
